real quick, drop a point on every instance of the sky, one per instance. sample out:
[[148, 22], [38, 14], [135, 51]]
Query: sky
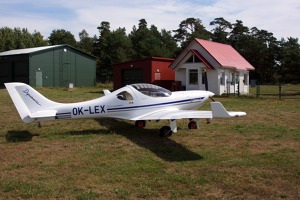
[[280, 17]]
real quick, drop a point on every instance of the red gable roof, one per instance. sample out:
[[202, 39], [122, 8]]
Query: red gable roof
[[225, 55]]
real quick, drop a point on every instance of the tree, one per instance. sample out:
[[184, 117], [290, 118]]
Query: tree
[[7, 39], [62, 36], [38, 39], [85, 42], [111, 47], [260, 48], [21, 38], [102, 51], [220, 32], [18, 38], [120, 45], [151, 42], [161, 43], [138, 39], [188, 30], [290, 60], [238, 31], [269, 49], [170, 46]]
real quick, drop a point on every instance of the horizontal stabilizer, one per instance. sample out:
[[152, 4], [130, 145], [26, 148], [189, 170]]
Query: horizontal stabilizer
[[218, 111], [43, 114]]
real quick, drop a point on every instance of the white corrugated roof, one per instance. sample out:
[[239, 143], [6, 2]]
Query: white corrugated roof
[[26, 51]]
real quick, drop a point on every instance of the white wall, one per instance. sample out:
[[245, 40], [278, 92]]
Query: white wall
[[212, 78], [244, 82], [228, 86], [180, 75]]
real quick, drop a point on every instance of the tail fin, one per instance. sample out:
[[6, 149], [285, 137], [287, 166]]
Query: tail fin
[[30, 104]]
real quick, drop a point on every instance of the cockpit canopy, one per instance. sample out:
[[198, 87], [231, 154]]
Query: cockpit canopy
[[152, 90]]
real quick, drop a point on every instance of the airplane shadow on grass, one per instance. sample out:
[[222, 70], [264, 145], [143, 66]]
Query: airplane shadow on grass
[[19, 136], [165, 148]]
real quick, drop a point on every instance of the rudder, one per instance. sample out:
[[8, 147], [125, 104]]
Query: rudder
[[27, 100]]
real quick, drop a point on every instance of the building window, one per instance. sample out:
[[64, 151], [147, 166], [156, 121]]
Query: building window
[[232, 78], [203, 77], [193, 59], [246, 79], [157, 76], [222, 78], [193, 76]]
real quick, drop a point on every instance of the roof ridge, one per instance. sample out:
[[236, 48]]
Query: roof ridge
[[218, 43]]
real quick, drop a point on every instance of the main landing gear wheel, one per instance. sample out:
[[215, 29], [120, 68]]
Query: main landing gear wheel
[[39, 125], [165, 131], [192, 125], [140, 123]]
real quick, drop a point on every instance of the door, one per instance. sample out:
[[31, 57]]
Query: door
[[39, 79], [131, 76], [193, 79]]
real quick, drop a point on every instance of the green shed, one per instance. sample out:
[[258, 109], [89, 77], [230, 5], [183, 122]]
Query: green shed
[[49, 66]]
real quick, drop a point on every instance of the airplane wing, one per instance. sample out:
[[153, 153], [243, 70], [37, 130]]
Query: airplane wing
[[175, 114], [218, 111]]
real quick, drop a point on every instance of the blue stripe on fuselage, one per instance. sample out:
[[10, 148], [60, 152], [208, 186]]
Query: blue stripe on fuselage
[[194, 100]]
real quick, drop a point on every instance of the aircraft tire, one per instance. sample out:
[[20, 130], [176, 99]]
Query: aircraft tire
[[192, 125], [165, 131], [140, 123]]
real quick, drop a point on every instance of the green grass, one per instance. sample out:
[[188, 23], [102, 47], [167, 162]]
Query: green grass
[[252, 157]]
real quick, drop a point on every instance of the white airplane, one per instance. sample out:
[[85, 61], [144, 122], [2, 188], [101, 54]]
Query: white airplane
[[138, 102]]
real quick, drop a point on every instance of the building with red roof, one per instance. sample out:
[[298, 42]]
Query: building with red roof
[[226, 70]]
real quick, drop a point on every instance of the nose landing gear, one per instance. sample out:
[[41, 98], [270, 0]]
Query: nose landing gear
[[165, 131]]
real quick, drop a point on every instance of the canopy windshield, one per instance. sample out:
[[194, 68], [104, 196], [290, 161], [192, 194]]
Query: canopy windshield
[[152, 90]]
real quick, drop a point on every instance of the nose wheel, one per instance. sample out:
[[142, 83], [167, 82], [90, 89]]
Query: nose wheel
[[165, 131]]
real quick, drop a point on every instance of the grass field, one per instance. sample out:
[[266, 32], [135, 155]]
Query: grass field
[[288, 91], [252, 157]]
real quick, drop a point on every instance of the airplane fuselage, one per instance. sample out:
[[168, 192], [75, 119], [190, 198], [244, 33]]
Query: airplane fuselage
[[111, 106]]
